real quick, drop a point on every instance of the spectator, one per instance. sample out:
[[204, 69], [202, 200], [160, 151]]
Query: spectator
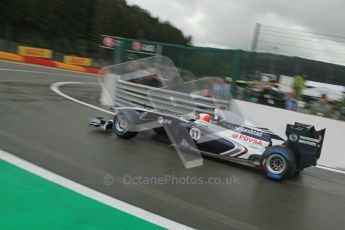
[[270, 92], [336, 114], [341, 106], [255, 92], [290, 102], [321, 107], [219, 90]]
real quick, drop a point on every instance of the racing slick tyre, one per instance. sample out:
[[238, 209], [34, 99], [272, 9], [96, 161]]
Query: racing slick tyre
[[278, 163], [121, 123]]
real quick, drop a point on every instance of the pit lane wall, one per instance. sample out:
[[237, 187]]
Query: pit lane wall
[[333, 151], [45, 62]]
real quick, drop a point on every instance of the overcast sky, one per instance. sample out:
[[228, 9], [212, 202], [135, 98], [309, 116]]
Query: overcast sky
[[230, 23]]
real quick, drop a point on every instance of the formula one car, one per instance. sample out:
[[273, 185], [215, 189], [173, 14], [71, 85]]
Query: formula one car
[[200, 118]]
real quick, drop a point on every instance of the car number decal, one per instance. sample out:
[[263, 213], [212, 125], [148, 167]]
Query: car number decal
[[195, 133]]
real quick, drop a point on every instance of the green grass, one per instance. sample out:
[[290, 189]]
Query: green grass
[[28, 201]]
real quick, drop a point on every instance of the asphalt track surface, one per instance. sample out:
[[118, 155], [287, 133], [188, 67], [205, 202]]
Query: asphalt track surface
[[50, 131]]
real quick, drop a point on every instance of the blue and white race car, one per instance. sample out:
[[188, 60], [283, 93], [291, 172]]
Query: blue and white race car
[[200, 118]]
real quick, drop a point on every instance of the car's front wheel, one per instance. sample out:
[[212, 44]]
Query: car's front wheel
[[278, 163], [121, 123]]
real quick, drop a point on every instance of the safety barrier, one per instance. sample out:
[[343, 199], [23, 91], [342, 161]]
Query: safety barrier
[[45, 62], [34, 52], [69, 66], [11, 56], [92, 70], [39, 61], [73, 60]]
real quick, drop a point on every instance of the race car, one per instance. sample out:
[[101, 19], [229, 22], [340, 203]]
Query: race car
[[201, 118]]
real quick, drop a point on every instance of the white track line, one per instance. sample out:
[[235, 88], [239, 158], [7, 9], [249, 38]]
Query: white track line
[[55, 87], [330, 169], [93, 194]]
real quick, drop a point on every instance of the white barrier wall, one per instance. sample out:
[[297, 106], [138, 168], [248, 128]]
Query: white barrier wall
[[333, 152]]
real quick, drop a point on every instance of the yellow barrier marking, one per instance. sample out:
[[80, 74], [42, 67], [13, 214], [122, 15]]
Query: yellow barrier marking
[[11, 56]]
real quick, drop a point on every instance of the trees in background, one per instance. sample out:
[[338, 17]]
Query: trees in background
[[75, 26], [298, 86]]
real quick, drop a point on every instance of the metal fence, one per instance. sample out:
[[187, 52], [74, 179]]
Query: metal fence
[[193, 62], [238, 64], [243, 68]]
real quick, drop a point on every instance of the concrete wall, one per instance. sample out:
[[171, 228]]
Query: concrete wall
[[333, 152]]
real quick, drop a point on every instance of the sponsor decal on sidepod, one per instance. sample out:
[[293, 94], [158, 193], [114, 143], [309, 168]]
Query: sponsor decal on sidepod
[[247, 139], [249, 131]]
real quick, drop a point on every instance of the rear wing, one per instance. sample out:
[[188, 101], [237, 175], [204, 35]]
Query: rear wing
[[306, 142]]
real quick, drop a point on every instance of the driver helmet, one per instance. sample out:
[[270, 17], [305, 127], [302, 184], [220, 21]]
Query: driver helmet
[[204, 116]]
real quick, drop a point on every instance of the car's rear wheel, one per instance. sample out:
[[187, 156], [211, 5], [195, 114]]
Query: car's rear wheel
[[278, 163], [121, 124]]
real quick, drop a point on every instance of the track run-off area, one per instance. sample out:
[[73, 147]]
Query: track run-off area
[[80, 177]]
